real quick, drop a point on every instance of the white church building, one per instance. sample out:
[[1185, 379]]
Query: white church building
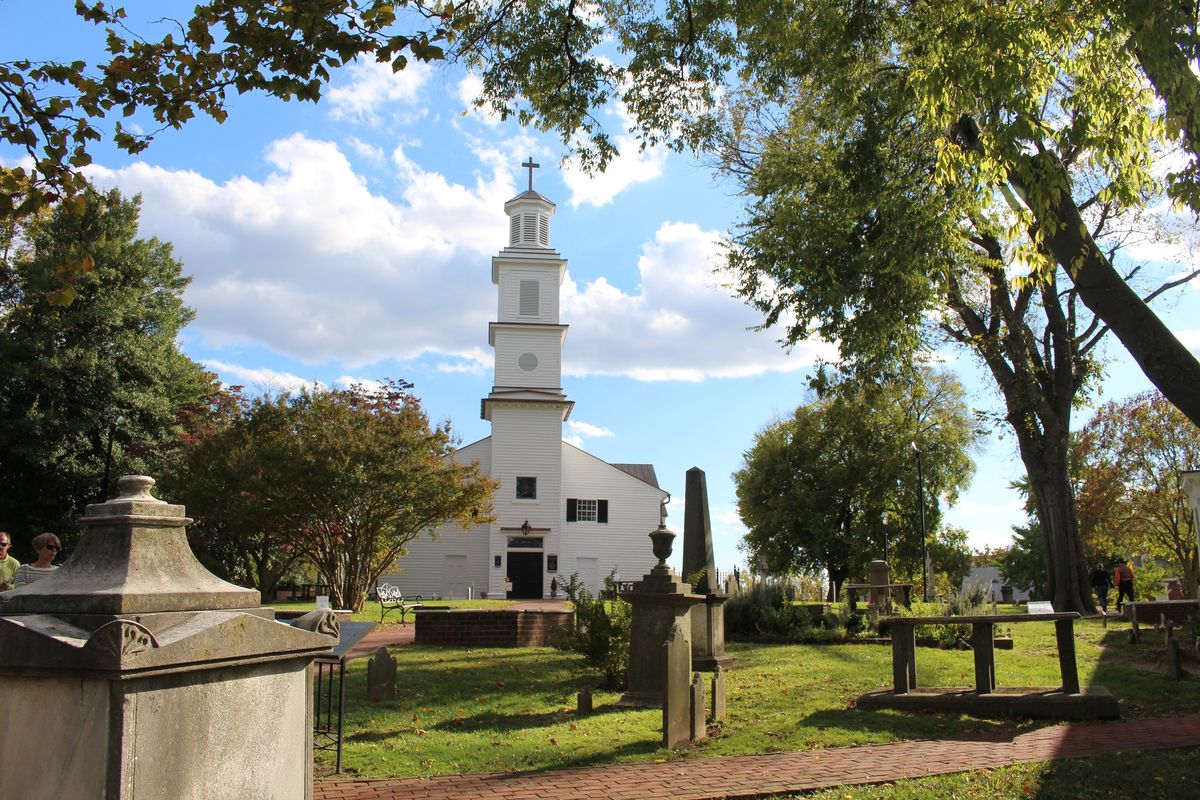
[[558, 509]]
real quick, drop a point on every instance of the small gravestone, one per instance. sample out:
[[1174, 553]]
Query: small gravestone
[[381, 676], [699, 728], [718, 694], [1174, 657], [677, 699], [585, 701]]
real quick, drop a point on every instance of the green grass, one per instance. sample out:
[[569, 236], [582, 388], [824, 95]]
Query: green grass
[[370, 612], [513, 709], [1158, 775]]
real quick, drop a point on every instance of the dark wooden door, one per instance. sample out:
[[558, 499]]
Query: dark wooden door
[[525, 572]]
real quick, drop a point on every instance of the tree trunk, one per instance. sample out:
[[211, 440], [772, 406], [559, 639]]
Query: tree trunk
[[1160, 355]]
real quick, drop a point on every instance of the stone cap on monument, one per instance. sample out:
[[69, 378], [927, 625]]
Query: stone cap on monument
[[132, 558]]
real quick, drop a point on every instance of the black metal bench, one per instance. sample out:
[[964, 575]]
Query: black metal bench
[[392, 599]]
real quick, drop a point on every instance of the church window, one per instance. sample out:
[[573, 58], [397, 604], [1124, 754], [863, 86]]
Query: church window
[[527, 488], [587, 510], [527, 362], [529, 299], [525, 542]]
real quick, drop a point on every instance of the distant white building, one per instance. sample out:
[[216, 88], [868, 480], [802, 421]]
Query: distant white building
[[996, 585], [559, 510]]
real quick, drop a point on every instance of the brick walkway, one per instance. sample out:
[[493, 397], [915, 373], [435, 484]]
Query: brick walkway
[[780, 773]]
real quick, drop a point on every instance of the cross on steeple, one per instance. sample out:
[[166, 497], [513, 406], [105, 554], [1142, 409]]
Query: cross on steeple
[[531, 167]]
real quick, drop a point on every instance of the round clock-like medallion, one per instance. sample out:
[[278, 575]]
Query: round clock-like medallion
[[527, 362]]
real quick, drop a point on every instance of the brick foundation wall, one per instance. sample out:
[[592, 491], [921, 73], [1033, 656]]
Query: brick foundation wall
[[500, 628]]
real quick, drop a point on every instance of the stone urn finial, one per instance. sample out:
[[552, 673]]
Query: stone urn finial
[[136, 487], [662, 541]]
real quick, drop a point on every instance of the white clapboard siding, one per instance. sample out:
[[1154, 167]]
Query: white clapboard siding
[[509, 302], [543, 343], [623, 542]]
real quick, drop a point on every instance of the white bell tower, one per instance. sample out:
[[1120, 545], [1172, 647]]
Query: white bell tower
[[527, 406]]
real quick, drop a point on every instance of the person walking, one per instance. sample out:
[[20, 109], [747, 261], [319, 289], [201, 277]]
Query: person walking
[[1101, 583], [8, 564], [1123, 577], [46, 545]]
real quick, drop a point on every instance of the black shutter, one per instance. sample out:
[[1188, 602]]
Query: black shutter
[[571, 514], [601, 511]]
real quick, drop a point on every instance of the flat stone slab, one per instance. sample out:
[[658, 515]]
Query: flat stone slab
[[1094, 702]]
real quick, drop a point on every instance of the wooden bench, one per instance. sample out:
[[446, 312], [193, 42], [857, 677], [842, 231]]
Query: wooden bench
[[392, 599], [1154, 612]]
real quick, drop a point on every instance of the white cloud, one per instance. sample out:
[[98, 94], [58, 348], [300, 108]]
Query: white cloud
[[469, 88], [310, 263], [680, 326], [260, 379], [373, 86], [588, 430], [632, 166]]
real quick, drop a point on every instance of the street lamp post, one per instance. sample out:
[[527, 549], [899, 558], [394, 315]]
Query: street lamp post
[[921, 517]]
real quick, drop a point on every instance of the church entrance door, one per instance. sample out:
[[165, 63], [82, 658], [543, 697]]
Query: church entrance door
[[525, 572]]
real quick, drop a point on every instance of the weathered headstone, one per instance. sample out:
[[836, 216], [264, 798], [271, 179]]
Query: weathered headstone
[[699, 728], [1174, 657], [584, 701], [699, 565], [677, 695], [718, 694], [381, 676], [659, 601], [146, 675]]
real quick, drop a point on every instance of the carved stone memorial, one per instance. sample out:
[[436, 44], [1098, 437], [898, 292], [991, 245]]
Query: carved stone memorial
[[699, 727], [659, 601], [144, 676], [699, 565], [718, 694]]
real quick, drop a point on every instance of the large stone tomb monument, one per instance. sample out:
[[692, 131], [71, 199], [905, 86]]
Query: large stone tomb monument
[[659, 601], [707, 618], [133, 673]]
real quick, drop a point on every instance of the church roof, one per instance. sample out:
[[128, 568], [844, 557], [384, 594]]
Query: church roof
[[530, 194], [643, 472]]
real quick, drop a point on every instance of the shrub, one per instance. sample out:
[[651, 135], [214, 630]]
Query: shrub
[[601, 630], [767, 610]]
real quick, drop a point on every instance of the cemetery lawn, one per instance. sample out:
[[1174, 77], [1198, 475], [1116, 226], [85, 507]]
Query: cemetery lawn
[[1157, 775], [492, 710], [370, 612]]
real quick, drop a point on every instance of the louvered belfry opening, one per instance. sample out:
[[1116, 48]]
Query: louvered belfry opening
[[529, 228], [529, 299]]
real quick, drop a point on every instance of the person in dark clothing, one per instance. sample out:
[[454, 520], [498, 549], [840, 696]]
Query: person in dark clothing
[[1124, 580], [1101, 583]]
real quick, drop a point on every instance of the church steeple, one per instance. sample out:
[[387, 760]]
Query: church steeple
[[527, 335], [529, 216]]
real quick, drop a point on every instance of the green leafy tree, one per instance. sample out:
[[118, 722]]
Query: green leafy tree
[[1131, 454], [1008, 102], [343, 479], [103, 372], [835, 484]]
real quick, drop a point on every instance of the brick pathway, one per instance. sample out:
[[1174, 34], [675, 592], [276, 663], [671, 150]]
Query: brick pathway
[[779, 773]]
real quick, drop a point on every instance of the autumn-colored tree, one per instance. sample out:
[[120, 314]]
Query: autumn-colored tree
[[342, 479], [1131, 454]]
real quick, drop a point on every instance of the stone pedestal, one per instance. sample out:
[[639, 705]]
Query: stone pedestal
[[659, 601], [699, 566], [145, 676], [879, 575]]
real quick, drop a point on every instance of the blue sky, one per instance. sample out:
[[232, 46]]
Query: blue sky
[[351, 240]]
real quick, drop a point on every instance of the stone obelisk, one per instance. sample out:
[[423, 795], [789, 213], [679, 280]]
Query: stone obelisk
[[699, 568]]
